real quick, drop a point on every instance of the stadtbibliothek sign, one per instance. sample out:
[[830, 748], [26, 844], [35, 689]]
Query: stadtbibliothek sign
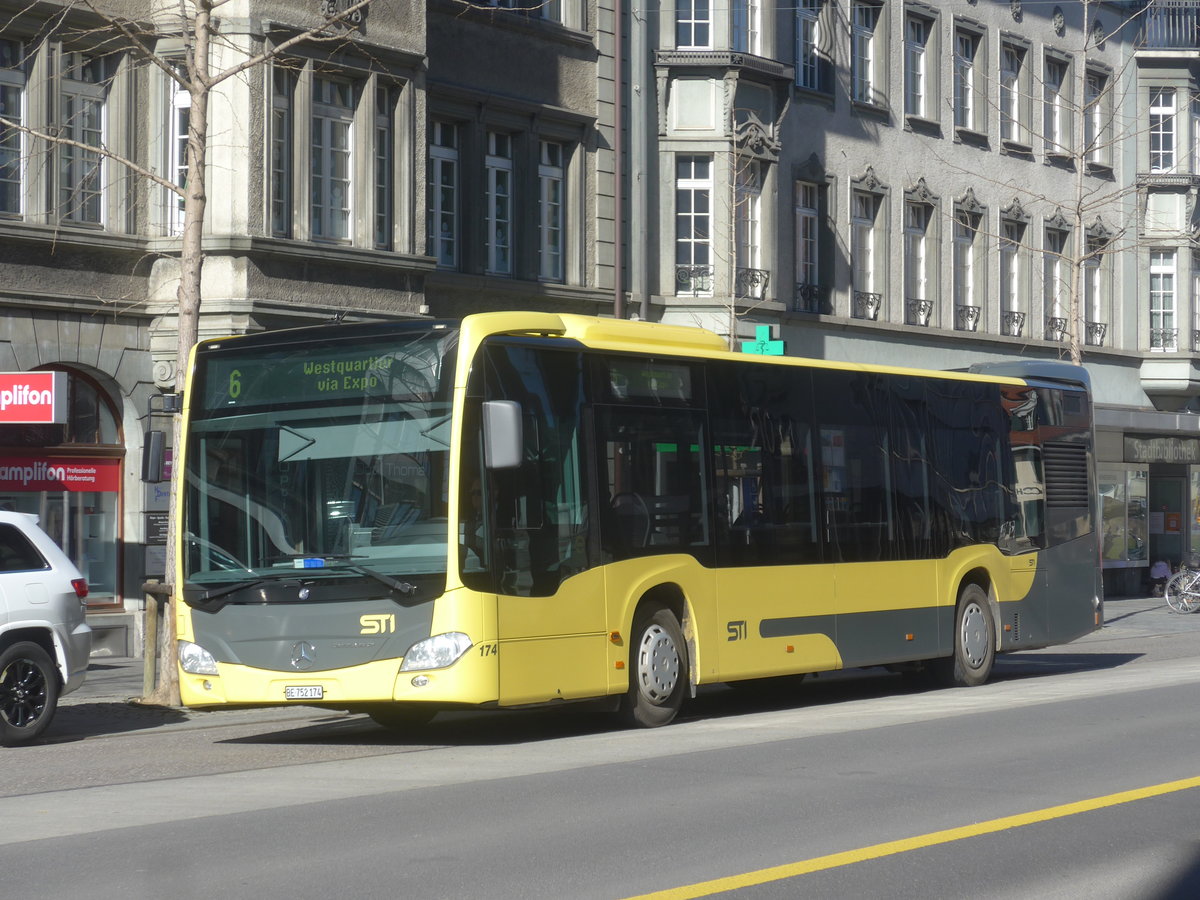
[[1162, 449], [33, 398]]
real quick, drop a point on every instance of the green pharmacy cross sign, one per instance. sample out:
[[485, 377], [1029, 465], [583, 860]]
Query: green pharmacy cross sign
[[762, 343]]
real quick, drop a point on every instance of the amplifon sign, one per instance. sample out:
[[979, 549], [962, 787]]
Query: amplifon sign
[[33, 398], [59, 473]]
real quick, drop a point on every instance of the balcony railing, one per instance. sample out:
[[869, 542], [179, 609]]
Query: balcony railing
[[1096, 332], [693, 280], [1164, 338], [1012, 323], [966, 318], [1056, 328], [867, 304], [919, 312], [1171, 25], [812, 298], [752, 283]]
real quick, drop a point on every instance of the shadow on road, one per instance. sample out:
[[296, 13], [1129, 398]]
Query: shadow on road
[[83, 720], [506, 727]]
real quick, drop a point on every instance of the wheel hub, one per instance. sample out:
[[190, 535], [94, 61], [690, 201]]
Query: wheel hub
[[658, 664], [974, 635]]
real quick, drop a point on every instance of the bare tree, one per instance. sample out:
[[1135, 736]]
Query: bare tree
[[195, 24]]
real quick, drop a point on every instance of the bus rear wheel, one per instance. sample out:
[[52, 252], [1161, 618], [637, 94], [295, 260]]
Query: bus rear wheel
[[974, 641], [658, 670]]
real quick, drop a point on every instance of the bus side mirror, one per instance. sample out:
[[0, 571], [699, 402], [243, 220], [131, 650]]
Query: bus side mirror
[[152, 457], [502, 438]]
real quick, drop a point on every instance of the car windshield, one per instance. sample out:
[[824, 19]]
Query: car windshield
[[319, 459]]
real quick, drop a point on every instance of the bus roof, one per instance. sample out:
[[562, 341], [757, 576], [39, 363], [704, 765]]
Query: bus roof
[[685, 340]]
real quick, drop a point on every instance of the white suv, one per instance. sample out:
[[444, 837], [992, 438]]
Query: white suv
[[44, 640]]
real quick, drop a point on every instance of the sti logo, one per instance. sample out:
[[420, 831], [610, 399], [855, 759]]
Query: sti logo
[[378, 623]]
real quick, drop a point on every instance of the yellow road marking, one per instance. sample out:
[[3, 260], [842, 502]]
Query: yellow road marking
[[890, 848]]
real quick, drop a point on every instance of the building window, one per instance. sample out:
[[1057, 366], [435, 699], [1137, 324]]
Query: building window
[[443, 194], [385, 164], [12, 140], [1055, 282], [1056, 124], [917, 264], [916, 38], [1195, 126], [551, 219], [967, 295], [747, 26], [282, 135], [1012, 102], [81, 121], [693, 25], [1196, 299], [550, 10], [808, 37], [966, 47], [499, 165], [864, 244], [693, 228], [1094, 293], [1164, 334], [866, 56], [177, 162], [808, 266], [1012, 311], [1097, 118], [750, 280], [1162, 129], [332, 125]]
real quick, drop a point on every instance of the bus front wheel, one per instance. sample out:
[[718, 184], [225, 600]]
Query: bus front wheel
[[657, 670], [974, 641]]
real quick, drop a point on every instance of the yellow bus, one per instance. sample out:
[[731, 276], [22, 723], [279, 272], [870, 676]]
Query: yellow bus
[[527, 508]]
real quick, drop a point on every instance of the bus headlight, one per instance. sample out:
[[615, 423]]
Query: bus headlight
[[436, 652], [195, 660]]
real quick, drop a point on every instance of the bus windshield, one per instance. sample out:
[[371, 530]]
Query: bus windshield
[[318, 462]]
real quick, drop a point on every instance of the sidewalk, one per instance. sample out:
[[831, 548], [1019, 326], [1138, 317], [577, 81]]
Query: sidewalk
[[107, 703]]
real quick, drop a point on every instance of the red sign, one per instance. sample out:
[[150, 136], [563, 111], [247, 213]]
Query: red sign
[[54, 473], [33, 398]]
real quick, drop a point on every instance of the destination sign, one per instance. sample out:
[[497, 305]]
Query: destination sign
[[320, 374]]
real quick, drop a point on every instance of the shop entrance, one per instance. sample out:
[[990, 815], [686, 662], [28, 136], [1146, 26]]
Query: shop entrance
[[1168, 524]]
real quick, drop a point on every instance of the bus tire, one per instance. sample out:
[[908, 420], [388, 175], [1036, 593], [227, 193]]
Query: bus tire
[[658, 670], [401, 718], [974, 641], [28, 693]]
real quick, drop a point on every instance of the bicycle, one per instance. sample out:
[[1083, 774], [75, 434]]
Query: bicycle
[[1183, 590]]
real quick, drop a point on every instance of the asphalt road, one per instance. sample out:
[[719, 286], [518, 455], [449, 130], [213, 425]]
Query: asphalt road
[[1075, 773]]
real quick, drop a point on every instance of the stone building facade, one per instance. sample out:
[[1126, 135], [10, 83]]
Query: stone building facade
[[897, 182]]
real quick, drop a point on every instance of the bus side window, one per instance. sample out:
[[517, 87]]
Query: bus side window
[[652, 468], [766, 509]]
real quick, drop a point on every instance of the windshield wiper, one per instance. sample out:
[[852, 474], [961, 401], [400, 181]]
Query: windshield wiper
[[401, 587]]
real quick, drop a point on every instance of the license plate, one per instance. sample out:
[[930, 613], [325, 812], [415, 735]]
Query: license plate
[[304, 692]]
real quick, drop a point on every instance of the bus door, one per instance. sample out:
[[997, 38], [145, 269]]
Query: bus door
[[550, 615]]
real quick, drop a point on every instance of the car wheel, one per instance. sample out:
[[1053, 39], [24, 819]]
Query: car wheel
[[28, 693]]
